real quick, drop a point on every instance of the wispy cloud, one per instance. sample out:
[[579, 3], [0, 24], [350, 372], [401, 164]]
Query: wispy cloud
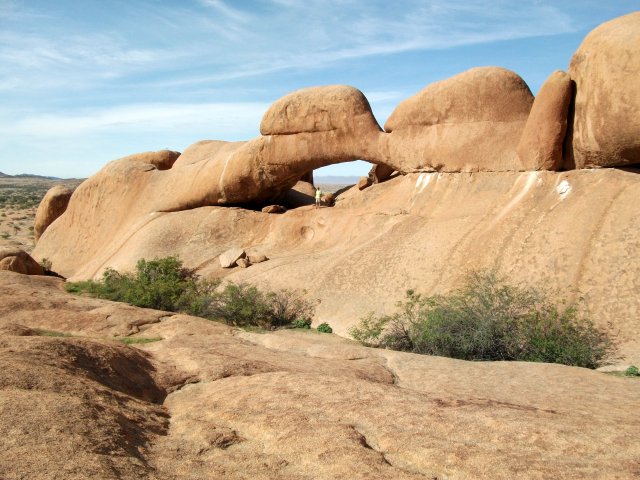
[[145, 117]]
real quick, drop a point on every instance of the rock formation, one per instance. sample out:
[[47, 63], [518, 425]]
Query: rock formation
[[19, 261], [467, 123], [208, 401], [606, 125], [427, 226], [540, 146], [51, 207]]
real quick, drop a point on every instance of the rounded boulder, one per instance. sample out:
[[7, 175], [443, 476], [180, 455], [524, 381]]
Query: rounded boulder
[[605, 68], [52, 205]]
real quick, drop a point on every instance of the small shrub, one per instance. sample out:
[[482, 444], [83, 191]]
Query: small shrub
[[488, 320], [164, 284], [301, 323], [45, 263], [632, 371], [324, 328]]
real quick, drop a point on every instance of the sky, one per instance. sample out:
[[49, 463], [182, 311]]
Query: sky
[[83, 82]]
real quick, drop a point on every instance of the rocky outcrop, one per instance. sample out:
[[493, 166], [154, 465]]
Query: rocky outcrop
[[606, 124], [207, 401], [469, 122], [19, 261], [51, 207], [229, 258], [541, 143]]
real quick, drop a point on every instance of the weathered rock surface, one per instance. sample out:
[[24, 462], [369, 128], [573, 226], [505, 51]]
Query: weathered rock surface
[[542, 140], [208, 401], [51, 207], [257, 258], [606, 127], [228, 259], [573, 232], [19, 261], [469, 122]]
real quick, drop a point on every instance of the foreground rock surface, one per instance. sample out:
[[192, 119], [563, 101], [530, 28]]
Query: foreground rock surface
[[208, 401]]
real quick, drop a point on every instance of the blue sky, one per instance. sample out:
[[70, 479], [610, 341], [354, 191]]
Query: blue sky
[[83, 82]]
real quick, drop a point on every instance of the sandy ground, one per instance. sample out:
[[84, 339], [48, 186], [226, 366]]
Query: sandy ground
[[19, 200]]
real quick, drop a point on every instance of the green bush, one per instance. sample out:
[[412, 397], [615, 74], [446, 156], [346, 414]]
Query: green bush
[[632, 371], [164, 284], [301, 323], [488, 320], [324, 328]]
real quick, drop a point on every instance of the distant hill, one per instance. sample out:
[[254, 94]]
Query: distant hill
[[336, 179], [29, 175], [4, 175]]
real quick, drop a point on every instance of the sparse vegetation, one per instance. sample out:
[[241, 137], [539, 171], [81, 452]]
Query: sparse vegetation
[[164, 284], [303, 323], [50, 333], [324, 328], [138, 340], [46, 265], [632, 371], [488, 320]]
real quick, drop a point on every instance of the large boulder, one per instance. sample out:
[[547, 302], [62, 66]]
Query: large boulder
[[19, 261], [469, 122], [318, 109], [53, 204], [605, 68], [540, 146]]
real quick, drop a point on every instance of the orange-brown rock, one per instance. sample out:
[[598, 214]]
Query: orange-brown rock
[[328, 199], [51, 207], [380, 173], [274, 209], [571, 231], [301, 194], [606, 124], [19, 261], [469, 122], [208, 401], [364, 182], [319, 109], [540, 146]]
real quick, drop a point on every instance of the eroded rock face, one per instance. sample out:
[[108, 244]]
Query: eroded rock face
[[19, 261], [606, 126], [469, 122], [53, 204], [540, 146]]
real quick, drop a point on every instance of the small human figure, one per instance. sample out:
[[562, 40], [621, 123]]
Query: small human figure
[[318, 197]]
